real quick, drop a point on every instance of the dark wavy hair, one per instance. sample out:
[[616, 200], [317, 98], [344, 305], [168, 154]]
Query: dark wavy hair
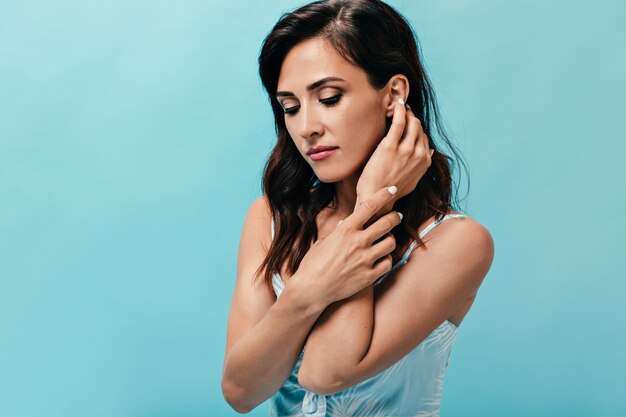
[[375, 37]]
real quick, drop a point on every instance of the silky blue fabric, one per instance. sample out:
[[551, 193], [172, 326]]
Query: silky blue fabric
[[413, 386]]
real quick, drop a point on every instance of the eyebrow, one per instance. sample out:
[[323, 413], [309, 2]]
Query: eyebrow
[[311, 87]]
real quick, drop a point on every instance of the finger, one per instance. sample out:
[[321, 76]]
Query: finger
[[422, 148], [383, 248], [421, 144], [397, 123], [382, 266], [383, 226], [411, 132], [368, 208]]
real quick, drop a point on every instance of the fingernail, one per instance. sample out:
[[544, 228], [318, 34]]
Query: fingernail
[[339, 222], [401, 101], [393, 189], [400, 214]]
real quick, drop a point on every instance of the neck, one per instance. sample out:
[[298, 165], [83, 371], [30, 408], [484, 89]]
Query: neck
[[345, 195]]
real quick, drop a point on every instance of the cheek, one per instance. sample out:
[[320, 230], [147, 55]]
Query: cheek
[[367, 128]]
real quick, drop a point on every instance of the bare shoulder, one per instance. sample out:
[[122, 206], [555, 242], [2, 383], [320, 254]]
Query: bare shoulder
[[260, 208], [261, 204], [258, 222], [469, 231], [464, 240]]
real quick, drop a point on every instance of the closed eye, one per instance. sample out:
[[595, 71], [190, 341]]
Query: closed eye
[[330, 101]]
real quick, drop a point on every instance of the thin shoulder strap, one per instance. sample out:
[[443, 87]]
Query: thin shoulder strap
[[428, 228], [438, 222], [272, 227]]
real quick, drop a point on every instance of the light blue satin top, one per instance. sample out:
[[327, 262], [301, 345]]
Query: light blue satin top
[[413, 386]]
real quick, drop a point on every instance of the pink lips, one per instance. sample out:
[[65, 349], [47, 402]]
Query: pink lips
[[320, 152], [317, 156]]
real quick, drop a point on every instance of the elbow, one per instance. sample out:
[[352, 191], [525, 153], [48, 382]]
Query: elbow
[[235, 397], [320, 382]]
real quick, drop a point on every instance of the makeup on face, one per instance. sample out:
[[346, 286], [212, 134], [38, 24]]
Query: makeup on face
[[328, 95], [328, 102], [332, 96], [321, 155], [320, 152]]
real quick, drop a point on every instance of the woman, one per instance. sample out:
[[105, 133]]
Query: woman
[[340, 307]]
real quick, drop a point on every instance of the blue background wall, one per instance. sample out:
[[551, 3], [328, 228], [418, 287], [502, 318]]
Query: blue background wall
[[132, 139]]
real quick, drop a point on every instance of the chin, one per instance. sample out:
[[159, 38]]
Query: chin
[[328, 179], [335, 176]]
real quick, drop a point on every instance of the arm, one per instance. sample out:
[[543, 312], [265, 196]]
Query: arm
[[265, 336], [339, 340], [261, 361], [425, 292], [342, 335]]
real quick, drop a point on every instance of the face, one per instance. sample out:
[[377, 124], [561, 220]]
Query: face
[[345, 111]]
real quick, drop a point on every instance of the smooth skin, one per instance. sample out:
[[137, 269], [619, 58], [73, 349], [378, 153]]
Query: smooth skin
[[329, 301], [265, 334]]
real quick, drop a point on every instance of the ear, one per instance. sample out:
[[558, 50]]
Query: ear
[[397, 87]]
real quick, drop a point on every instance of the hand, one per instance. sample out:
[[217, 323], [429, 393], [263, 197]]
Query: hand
[[350, 258], [401, 158]]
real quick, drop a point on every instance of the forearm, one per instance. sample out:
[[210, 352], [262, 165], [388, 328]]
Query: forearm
[[339, 339], [261, 361]]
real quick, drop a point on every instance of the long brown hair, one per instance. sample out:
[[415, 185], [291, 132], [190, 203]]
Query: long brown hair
[[375, 37]]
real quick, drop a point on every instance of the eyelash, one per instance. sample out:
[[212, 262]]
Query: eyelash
[[330, 101]]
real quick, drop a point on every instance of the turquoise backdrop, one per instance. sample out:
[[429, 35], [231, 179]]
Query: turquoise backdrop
[[132, 140]]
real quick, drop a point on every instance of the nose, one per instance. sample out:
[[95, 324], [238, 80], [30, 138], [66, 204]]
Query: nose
[[309, 123]]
